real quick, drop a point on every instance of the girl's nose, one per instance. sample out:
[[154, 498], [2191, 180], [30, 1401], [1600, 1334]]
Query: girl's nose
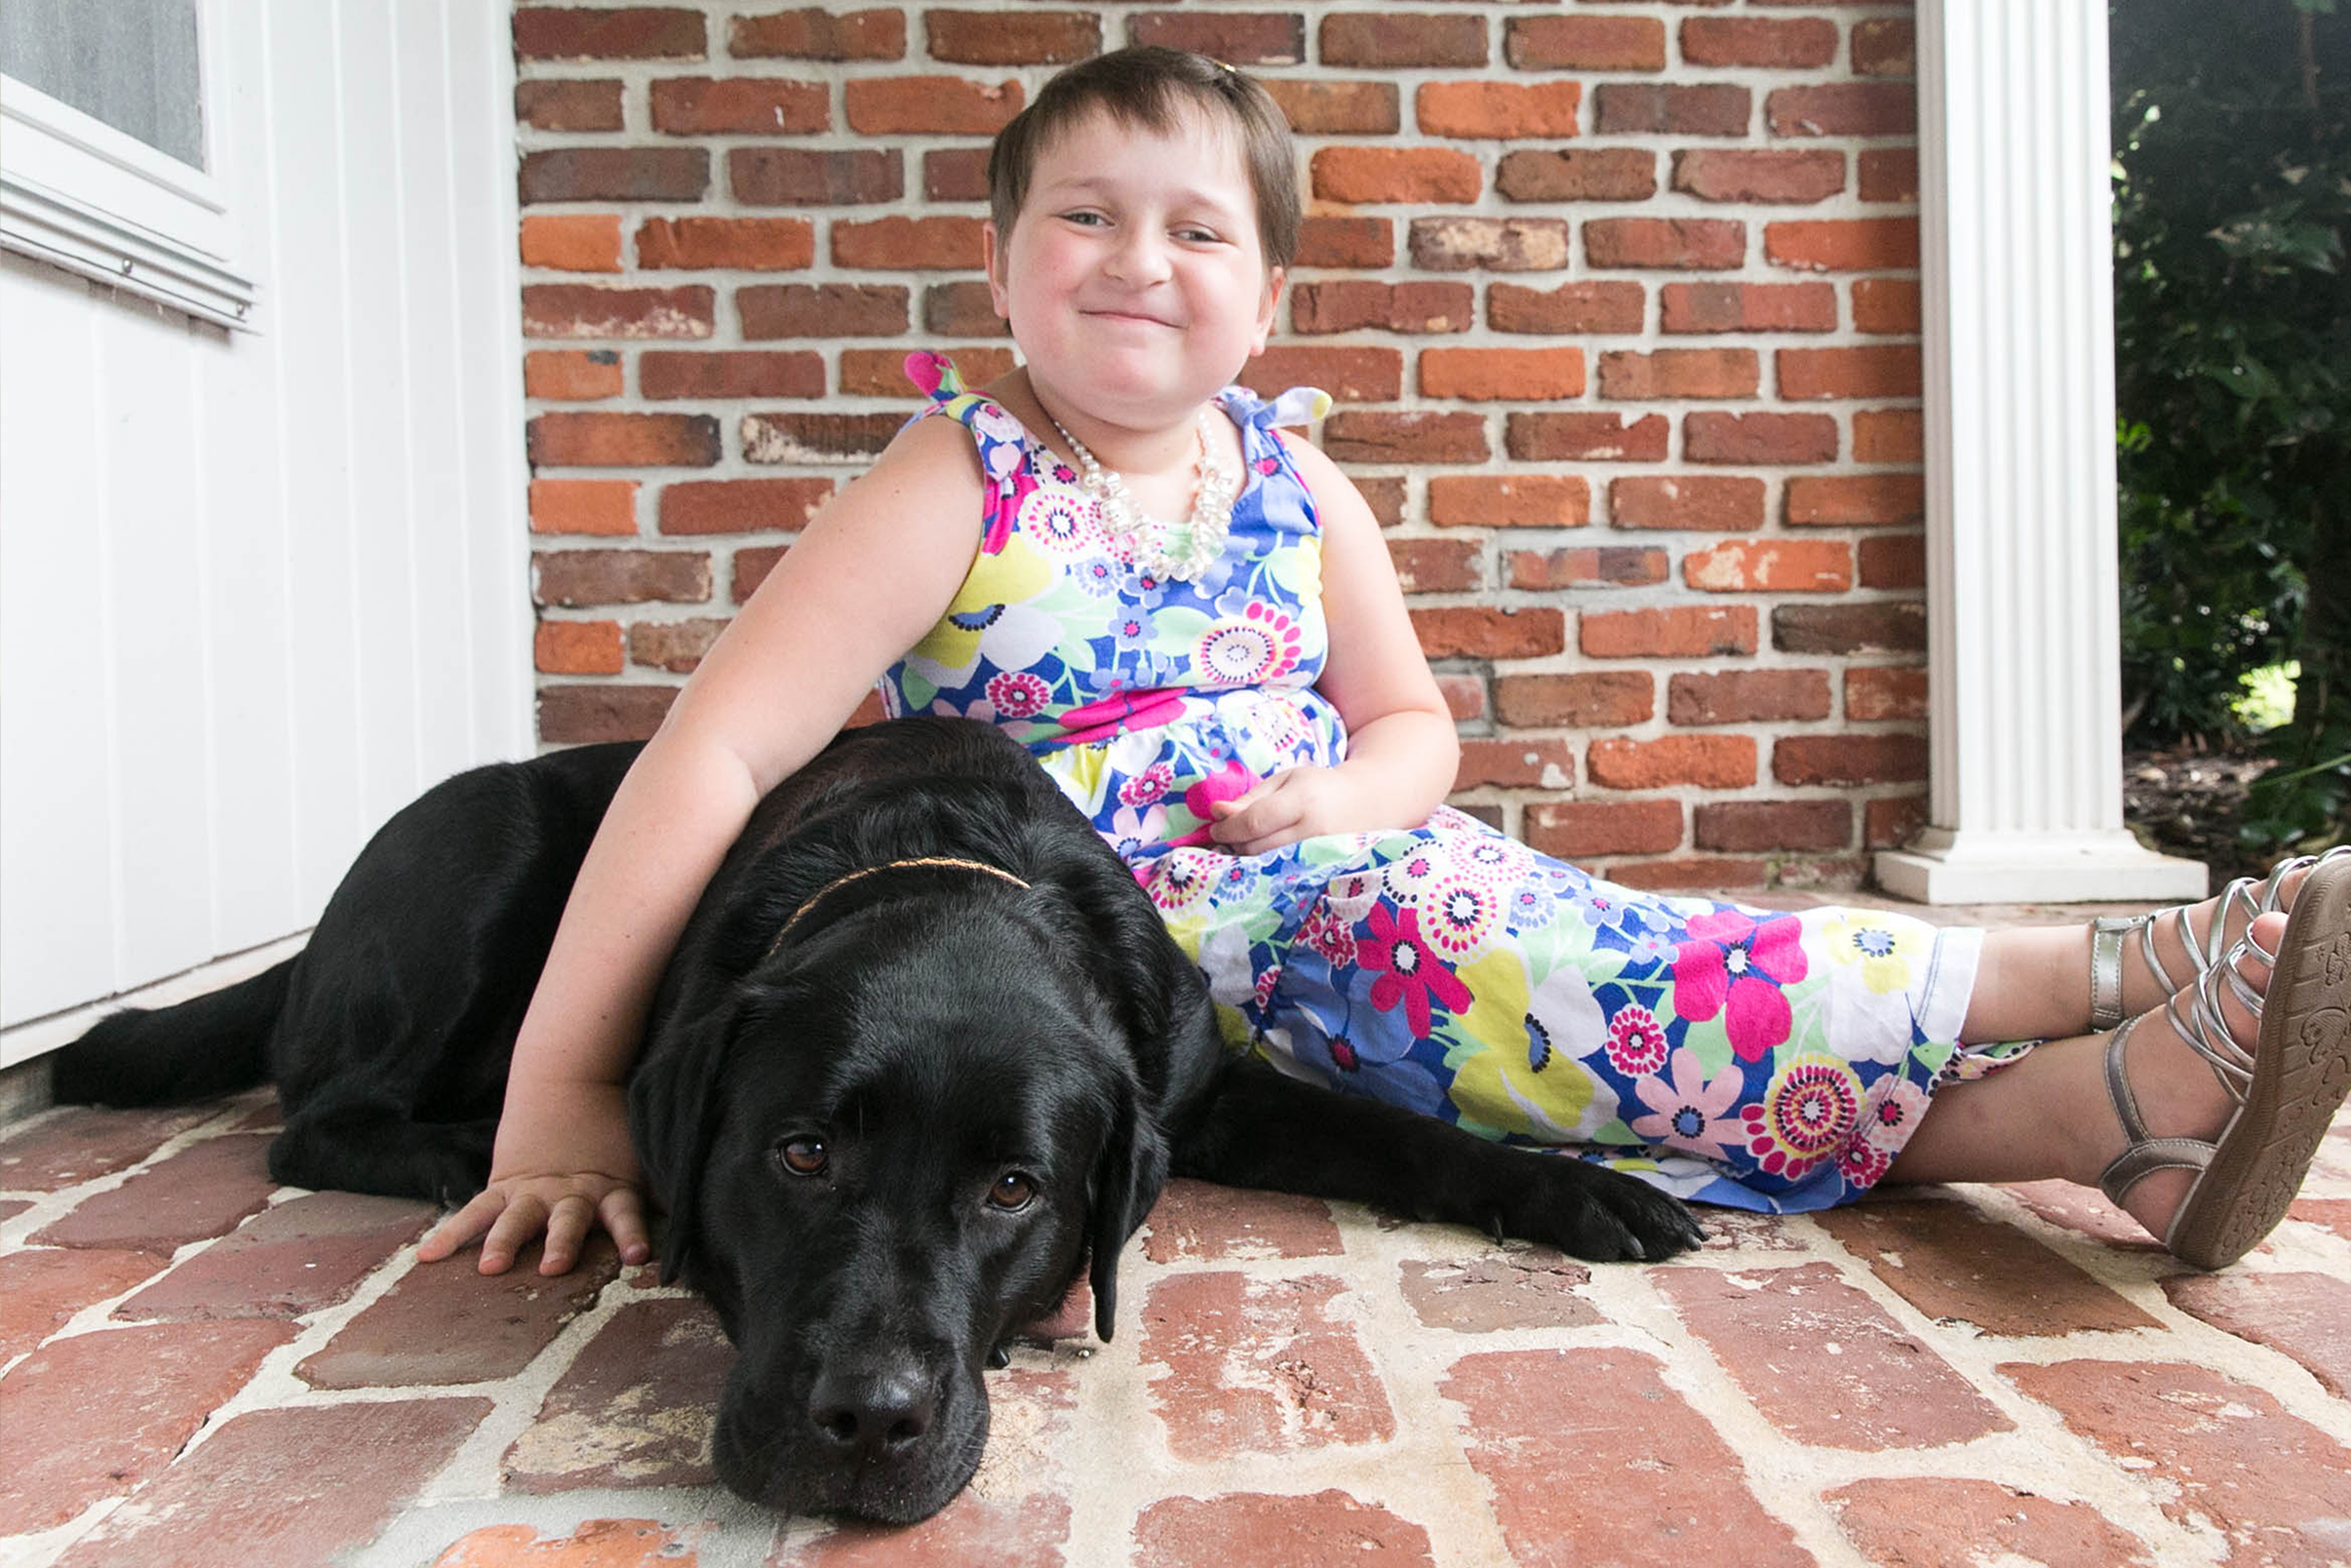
[[1140, 256]]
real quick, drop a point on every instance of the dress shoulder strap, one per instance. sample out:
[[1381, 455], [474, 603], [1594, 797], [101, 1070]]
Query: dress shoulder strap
[[1002, 446], [941, 384], [1300, 405]]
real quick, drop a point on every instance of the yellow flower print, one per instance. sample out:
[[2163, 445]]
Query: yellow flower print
[[1006, 579], [1883, 949], [1524, 1075]]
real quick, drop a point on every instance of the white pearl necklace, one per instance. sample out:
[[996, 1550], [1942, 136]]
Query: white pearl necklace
[[1147, 538]]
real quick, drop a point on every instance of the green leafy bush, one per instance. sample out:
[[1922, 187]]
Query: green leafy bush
[[2232, 134]]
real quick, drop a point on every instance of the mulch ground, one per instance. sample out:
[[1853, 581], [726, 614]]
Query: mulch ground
[[2189, 803]]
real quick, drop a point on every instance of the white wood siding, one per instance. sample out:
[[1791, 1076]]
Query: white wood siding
[[256, 590]]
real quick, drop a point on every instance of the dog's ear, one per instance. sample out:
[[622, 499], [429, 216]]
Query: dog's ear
[[1123, 944], [1127, 1179], [674, 1110]]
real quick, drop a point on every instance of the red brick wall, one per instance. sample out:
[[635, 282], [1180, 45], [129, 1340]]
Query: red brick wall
[[1619, 301]]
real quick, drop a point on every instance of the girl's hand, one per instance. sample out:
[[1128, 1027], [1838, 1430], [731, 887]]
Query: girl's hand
[[1298, 802], [563, 1165]]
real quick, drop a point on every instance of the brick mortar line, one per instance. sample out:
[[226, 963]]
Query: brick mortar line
[[1415, 1357], [705, 1518], [1792, 1477], [1784, 1475], [719, 1529], [1420, 1474], [1410, 1358], [2139, 1278], [2040, 1435], [1854, 1268], [38, 1548], [48, 1208], [472, 1469]]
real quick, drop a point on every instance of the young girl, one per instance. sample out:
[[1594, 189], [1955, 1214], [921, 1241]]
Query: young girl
[[1190, 619]]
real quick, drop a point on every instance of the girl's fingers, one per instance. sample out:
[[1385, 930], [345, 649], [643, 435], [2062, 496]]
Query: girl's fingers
[[520, 1221], [1281, 823], [460, 1228], [1267, 812], [623, 1214], [568, 1226]]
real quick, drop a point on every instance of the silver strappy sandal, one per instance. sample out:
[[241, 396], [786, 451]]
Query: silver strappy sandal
[[2108, 933], [2286, 1089]]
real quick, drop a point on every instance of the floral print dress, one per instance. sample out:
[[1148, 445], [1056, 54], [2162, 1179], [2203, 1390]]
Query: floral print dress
[[1732, 1055]]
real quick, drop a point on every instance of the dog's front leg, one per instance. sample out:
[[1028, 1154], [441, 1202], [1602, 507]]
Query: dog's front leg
[[1262, 1129]]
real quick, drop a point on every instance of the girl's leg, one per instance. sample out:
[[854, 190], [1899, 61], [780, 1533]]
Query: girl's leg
[[2034, 982], [2048, 1113]]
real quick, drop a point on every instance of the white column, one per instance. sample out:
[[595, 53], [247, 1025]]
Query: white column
[[2022, 580]]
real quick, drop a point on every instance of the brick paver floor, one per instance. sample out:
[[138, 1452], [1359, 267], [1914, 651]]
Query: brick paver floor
[[197, 1368]]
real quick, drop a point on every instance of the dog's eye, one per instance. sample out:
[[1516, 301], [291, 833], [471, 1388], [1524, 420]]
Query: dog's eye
[[1012, 1191], [802, 1156]]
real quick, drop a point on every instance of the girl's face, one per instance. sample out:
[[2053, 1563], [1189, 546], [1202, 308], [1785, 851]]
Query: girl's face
[[1134, 279]]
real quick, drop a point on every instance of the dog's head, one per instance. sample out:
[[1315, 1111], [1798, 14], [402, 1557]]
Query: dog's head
[[888, 1151]]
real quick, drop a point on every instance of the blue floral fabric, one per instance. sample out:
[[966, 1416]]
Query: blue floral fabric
[[1733, 1055]]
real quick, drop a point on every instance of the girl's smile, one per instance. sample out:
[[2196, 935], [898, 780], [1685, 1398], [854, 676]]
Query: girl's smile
[[1135, 282]]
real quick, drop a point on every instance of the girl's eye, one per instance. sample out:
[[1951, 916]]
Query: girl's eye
[[1084, 219], [1197, 236], [1012, 1191], [802, 1156]]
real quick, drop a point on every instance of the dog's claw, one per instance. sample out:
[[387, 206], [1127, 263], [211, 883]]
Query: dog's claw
[[998, 1358]]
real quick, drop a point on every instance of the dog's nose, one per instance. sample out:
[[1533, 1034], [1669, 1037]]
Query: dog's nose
[[873, 1413]]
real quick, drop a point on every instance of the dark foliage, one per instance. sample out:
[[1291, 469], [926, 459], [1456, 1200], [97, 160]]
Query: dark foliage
[[2232, 133]]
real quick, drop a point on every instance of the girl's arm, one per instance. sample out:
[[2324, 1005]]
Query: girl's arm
[[867, 578], [1401, 750]]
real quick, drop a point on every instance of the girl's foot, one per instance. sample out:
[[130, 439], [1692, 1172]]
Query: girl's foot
[[2173, 1089], [2139, 961], [2220, 1098]]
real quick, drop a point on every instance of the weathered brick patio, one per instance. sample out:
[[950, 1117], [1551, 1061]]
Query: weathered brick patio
[[200, 1369]]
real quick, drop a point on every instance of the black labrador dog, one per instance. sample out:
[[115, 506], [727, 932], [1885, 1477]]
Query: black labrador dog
[[923, 1049]]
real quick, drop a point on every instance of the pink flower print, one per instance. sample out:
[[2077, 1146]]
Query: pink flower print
[[1735, 965], [1018, 694], [1268, 465], [1151, 784], [1181, 877], [1060, 522], [1494, 859], [1863, 1165], [1248, 648], [1808, 1114], [1894, 1106], [1413, 974], [1343, 1055], [1688, 1113], [1264, 989], [1352, 894], [1414, 875], [1462, 916], [1637, 1046], [1279, 627], [1329, 933]]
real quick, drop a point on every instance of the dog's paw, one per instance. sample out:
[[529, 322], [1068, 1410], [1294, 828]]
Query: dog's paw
[[1603, 1216]]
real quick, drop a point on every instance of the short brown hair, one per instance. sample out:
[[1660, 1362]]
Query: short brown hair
[[1149, 86]]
